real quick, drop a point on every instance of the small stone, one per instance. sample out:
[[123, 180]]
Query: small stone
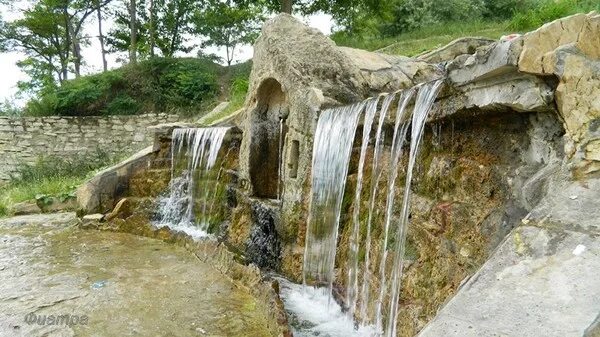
[[24, 208], [92, 218]]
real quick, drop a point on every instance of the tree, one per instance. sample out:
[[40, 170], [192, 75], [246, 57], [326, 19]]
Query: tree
[[160, 24], [42, 35], [50, 34], [132, 32], [286, 6], [174, 22], [101, 36], [228, 24]]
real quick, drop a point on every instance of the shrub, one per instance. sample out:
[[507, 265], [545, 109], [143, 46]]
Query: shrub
[[122, 104], [50, 176], [154, 85], [505, 9], [409, 15], [549, 10]]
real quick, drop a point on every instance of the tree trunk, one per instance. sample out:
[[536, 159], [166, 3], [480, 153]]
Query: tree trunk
[[101, 36], [64, 59], [76, 51], [152, 29], [133, 27], [286, 6]]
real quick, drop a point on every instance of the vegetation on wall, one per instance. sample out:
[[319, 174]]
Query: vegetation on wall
[[51, 177]]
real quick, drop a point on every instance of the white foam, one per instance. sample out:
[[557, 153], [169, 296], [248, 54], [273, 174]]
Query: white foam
[[578, 250], [317, 313], [195, 232]]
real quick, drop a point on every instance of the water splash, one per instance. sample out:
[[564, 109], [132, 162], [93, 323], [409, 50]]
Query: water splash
[[331, 155], [189, 173], [310, 313]]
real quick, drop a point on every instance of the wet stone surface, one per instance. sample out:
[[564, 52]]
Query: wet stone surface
[[112, 284]]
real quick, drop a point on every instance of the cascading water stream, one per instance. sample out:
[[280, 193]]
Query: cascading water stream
[[202, 147], [331, 155], [375, 177], [352, 291], [400, 130], [427, 94]]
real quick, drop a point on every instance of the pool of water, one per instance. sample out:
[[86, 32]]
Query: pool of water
[[96, 283]]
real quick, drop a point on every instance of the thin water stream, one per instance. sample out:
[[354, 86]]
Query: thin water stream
[[194, 153]]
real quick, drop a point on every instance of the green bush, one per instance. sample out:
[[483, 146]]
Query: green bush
[[154, 85], [505, 9], [549, 10], [408, 15], [122, 104]]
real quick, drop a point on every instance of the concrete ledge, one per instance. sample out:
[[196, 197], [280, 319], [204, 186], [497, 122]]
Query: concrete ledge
[[540, 282], [99, 194]]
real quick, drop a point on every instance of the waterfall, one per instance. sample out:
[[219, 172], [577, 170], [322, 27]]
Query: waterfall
[[375, 177], [425, 98], [352, 290], [400, 130], [331, 155], [190, 175]]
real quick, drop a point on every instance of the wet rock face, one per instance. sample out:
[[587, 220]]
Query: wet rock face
[[263, 247], [473, 183]]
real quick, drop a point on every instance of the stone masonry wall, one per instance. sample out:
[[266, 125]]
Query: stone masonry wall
[[23, 140]]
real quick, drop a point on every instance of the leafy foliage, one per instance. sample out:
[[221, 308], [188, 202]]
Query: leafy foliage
[[155, 85], [51, 177], [228, 24], [49, 33], [549, 10], [161, 24]]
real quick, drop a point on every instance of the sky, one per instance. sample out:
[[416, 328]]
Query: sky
[[10, 73]]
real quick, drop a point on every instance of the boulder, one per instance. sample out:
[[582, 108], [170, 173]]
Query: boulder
[[579, 29], [487, 62], [578, 99], [539, 282], [385, 73], [25, 208]]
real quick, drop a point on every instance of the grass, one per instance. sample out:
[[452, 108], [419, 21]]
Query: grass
[[56, 187], [425, 39], [434, 36], [237, 97], [50, 177]]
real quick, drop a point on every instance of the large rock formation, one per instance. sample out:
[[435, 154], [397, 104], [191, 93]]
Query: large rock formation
[[506, 173]]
